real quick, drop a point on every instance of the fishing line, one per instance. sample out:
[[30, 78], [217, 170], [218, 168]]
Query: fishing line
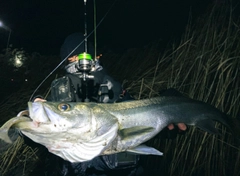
[[95, 28]]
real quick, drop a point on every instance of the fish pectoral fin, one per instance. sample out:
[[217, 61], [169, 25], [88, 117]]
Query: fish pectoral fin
[[135, 131], [145, 150], [207, 125]]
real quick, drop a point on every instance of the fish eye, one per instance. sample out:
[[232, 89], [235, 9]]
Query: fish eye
[[64, 107]]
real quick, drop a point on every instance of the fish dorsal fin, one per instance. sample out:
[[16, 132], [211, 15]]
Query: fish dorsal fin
[[207, 125], [145, 150]]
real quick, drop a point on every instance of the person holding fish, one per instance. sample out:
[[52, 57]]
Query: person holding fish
[[90, 83]]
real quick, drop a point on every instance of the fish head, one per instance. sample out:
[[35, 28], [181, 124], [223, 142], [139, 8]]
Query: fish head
[[60, 116], [70, 130]]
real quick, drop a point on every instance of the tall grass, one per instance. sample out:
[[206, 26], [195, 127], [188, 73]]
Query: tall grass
[[204, 65]]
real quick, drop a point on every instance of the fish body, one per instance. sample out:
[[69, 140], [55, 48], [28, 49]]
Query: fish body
[[78, 132]]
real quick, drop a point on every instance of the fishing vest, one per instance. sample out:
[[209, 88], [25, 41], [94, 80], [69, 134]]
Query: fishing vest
[[71, 88]]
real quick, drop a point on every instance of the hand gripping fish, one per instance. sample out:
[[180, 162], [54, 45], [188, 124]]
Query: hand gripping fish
[[78, 132]]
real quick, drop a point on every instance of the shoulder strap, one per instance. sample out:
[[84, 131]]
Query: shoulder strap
[[75, 82]]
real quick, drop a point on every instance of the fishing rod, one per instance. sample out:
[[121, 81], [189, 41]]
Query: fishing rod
[[86, 37], [85, 26], [85, 61], [95, 31]]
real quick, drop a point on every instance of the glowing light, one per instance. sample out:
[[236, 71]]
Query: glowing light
[[9, 35], [18, 61], [18, 58], [2, 25]]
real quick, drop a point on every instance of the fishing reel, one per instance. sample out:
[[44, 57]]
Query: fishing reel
[[85, 62], [85, 65]]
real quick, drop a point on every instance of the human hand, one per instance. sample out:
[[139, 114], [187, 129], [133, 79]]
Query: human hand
[[39, 100], [181, 126]]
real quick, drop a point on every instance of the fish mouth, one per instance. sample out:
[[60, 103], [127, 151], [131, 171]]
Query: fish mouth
[[37, 112], [43, 115]]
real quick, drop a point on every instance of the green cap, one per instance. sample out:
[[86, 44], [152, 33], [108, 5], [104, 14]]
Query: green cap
[[84, 56]]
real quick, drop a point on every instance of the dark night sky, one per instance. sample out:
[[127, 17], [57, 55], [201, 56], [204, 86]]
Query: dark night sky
[[42, 26]]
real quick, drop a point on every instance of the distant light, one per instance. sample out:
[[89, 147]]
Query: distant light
[[11, 79], [18, 60], [2, 25], [26, 80]]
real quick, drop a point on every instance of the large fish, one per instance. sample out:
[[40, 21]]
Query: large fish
[[79, 132]]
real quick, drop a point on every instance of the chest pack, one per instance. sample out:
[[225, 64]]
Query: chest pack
[[61, 90]]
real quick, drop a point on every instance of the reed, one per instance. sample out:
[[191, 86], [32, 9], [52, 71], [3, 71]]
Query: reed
[[204, 66]]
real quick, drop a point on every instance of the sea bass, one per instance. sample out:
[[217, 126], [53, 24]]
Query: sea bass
[[78, 132]]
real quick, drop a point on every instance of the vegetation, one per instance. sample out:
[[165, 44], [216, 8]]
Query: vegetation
[[204, 65]]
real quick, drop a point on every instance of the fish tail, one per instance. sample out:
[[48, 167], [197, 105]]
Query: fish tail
[[232, 125], [209, 124]]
